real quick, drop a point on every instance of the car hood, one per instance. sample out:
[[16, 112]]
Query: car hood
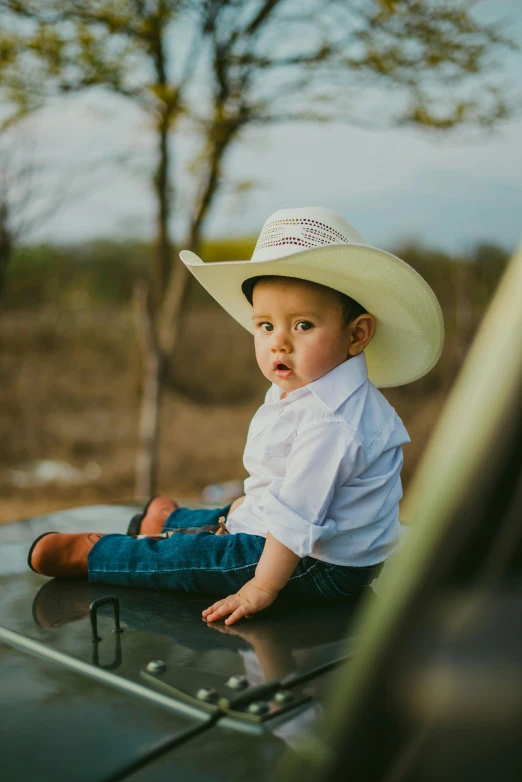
[[256, 675]]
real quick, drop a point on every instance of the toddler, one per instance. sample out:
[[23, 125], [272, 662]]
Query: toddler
[[332, 318]]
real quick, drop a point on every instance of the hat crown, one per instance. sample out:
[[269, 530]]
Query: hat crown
[[290, 231]]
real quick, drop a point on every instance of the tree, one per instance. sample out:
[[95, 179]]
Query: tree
[[220, 66]]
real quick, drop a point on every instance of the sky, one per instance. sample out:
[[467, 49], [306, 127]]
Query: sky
[[449, 192]]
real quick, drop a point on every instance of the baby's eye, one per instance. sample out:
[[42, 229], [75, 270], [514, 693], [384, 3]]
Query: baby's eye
[[262, 327], [305, 324]]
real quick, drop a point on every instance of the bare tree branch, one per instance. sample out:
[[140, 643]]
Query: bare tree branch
[[422, 63]]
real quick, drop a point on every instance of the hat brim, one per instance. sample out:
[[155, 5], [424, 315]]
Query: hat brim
[[409, 336]]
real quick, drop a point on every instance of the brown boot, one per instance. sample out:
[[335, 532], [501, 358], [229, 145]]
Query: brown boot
[[62, 554], [153, 517]]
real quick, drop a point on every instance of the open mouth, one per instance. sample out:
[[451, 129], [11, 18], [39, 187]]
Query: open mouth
[[282, 370]]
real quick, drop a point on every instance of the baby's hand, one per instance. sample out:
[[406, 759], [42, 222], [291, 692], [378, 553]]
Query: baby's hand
[[249, 600]]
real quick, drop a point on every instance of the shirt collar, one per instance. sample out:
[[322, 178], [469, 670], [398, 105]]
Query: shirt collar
[[335, 387]]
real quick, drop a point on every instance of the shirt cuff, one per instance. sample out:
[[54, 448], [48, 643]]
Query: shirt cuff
[[290, 529]]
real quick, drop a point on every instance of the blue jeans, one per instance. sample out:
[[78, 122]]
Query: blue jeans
[[213, 564]]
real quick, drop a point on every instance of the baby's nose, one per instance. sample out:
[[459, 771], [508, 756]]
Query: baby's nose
[[281, 342]]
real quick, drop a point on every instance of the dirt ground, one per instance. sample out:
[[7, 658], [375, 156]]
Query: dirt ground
[[70, 387]]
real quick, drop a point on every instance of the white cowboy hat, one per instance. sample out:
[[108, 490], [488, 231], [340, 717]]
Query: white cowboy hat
[[319, 245]]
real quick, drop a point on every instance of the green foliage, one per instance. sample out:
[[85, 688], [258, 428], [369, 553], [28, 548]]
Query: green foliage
[[228, 249], [482, 268], [104, 272]]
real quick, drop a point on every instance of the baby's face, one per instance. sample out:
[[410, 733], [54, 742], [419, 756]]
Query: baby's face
[[298, 332]]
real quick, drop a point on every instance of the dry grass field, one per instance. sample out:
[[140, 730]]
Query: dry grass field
[[70, 388]]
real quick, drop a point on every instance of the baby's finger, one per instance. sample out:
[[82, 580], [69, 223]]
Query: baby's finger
[[239, 613], [227, 608], [212, 608]]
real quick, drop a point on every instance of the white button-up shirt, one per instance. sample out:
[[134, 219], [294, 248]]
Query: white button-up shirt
[[324, 469]]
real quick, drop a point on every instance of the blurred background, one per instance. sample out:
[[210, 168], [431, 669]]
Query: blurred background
[[132, 129]]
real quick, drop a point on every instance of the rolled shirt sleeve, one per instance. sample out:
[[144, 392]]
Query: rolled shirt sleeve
[[324, 455]]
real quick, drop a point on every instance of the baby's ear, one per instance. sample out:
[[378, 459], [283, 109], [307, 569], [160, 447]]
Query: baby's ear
[[374, 327], [362, 329]]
